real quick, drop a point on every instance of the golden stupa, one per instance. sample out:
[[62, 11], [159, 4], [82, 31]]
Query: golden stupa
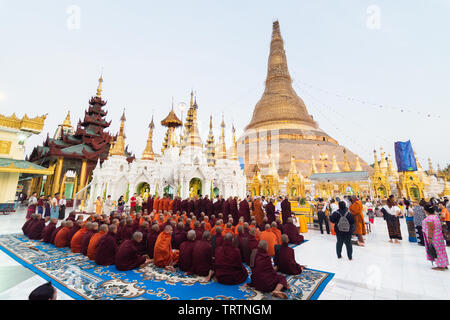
[[281, 125]]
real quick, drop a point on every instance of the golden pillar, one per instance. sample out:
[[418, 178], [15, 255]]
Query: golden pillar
[[63, 185], [83, 174], [75, 187], [59, 165]]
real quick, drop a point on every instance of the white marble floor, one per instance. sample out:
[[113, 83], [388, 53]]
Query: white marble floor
[[380, 270]]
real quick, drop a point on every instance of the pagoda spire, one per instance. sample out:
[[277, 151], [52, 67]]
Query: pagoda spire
[[148, 152], [293, 168], [210, 145], [358, 165], [346, 163], [233, 155], [376, 166], [99, 87], [193, 137], [419, 167], [313, 165], [279, 102], [171, 122], [430, 167], [334, 165], [119, 145], [222, 154]]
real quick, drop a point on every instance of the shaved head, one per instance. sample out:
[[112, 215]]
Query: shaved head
[[252, 231], [137, 236], [104, 227], [206, 235], [155, 227], [228, 236], [267, 226], [68, 224], [262, 244], [284, 238], [112, 228], [191, 235]]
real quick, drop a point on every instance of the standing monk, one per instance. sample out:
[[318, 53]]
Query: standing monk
[[356, 209], [285, 210], [228, 263], [163, 256], [244, 210], [258, 212], [270, 211], [264, 276]]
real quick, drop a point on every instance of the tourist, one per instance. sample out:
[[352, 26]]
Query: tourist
[[370, 210], [228, 264], [32, 203], [202, 257], [419, 216], [43, 292], [139, 202], [409, 217], [333, 206], [120, 205], [163, 255], [127, 257], [321, 211], [54, 206], [285, 258], [40, 205], [133, 204], [105, 253], [433, 237], [391, 213], [356, 209], [47, 204], [185, 260], [62, 207], [445, 218], [264, 275], [344, 229], [99, 205], [108, 205]]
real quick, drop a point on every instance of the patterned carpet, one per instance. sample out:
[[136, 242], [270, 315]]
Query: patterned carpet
[[81, 278]]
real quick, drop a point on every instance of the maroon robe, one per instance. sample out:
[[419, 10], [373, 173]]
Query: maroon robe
[[190, 207], [228, 265], [178, 237], [26, 226], [184, 206], [292, 232], [71, 217], [209, 208], [150, 204], [202, 255], [243, 248], [198, 233], [35, 231], [270, 212], [105, 253], [53, 236], [185, 259], [217, 207], [48, 231], [197, 207], [285, 260], [127, 257], [226, 210], [85, 241], [217, 241], [285, 210], [142, 246], [151, 240], [234, 211], [264, 277], [127, 232], [72, 231], [244, 210]]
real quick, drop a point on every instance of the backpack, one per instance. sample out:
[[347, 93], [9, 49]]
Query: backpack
[[343, 225]]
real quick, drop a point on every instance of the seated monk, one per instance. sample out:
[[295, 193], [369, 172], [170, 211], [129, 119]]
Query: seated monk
[[105, 253], [163, 255], [217, 239], [207, 224], [185, 260], [264, 276], [28, 223], [127, 257], [228, 228], [276, 232], [179, 235], [202, 257], [75, 243], [285, 258], [93, 243], [87, 237], [198, 230], [62, 237], [228, 264], [270, 238], [144, 228], [151, 239], [48, 230], [77, 225], [127, 230], [35, 230], [292, 232]]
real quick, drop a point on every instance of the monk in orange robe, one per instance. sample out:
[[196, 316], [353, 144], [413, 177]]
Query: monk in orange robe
[[277, 232], [207, 224], [163, 255], [171, 205], [61, 238], [270, 238], [93, 242], [240, 223], [356, 209], [156, 205], [258, 212], [75, 244], [228, 229], [253, 225]]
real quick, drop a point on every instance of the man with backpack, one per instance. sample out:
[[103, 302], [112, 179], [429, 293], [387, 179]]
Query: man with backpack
[[344, 225]]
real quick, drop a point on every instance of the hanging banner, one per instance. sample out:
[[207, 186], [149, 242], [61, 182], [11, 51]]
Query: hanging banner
[[404, 156]]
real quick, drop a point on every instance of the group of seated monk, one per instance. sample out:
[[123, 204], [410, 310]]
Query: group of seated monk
[[203, 246]]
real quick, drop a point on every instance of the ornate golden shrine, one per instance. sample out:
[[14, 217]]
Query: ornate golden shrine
[[411, 186], [295, 183]]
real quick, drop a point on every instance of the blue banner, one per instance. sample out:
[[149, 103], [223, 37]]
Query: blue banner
[[404, 156], [241, 162]]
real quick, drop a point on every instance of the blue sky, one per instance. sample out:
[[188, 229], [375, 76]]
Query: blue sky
[[153, 50]]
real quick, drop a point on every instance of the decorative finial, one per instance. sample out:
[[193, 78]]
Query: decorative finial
[[99, 87]]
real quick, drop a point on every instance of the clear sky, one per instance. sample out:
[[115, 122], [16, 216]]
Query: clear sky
[[394, 54]]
